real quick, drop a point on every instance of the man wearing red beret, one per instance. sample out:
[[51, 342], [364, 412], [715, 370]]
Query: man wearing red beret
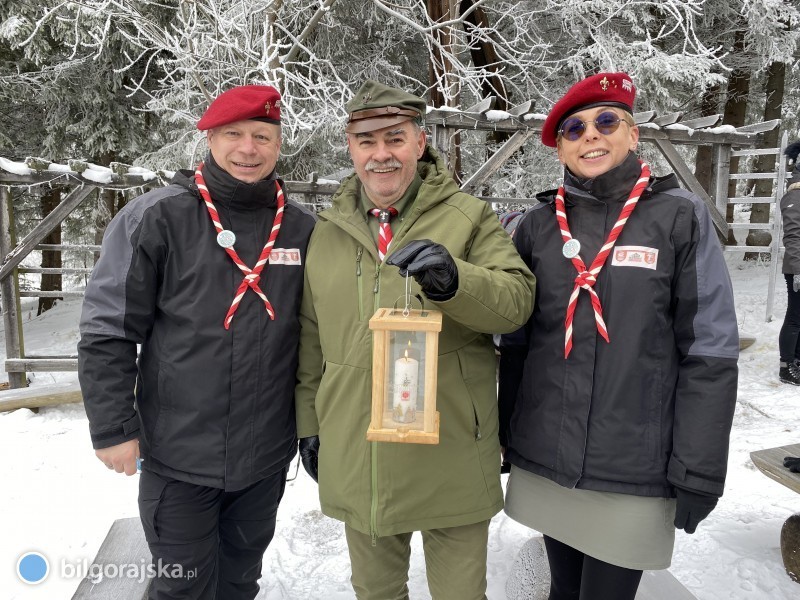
[[616, 401], [205, 275]]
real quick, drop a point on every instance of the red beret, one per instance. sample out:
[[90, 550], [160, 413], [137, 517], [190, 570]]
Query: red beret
[[603, 89], [262, 102]]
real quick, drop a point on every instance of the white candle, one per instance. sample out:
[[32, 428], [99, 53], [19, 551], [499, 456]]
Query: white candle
[[404, 403]]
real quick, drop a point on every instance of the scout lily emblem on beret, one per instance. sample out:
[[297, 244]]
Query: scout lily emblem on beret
[[601, 89], [261, 102]]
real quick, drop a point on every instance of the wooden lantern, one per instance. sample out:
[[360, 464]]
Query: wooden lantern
[[405, 356]]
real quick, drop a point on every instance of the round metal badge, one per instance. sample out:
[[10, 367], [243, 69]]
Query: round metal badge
[[571, 248], [226, 238]]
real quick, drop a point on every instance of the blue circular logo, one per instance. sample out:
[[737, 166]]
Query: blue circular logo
[[33, 568]]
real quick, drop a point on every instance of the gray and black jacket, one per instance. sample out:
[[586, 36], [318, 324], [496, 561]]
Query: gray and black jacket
[[790, 214], [653, 408], [212, 406]]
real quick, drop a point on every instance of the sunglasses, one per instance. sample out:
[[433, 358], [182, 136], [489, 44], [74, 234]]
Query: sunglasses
[[606, 123]]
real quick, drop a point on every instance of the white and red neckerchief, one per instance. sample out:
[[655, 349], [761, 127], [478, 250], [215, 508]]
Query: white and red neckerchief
[[384, 216], [251, 276], [587, 278]]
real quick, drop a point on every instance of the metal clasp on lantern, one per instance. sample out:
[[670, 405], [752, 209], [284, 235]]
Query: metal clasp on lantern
[[405, 357]]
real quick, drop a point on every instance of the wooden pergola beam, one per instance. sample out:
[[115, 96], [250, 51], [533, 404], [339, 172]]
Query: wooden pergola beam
[[127, 182], [681, 170], [50, 222], [9, 290], [648, 131], [496, 161]]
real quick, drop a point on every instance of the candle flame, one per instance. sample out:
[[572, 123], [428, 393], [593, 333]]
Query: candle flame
[[406, 357]]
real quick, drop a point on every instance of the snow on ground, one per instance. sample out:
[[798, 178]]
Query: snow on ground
[[59, 500]]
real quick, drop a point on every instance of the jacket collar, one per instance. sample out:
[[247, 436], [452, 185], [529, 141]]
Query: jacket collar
[[227, 191], [614, 185], [437, 186]]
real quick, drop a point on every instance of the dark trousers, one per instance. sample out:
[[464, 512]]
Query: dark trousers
[[207, 544], [789, 337], [576, 576]]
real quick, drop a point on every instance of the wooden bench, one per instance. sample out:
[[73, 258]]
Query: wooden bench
[[770, 462], [41, 395], [124, 545]]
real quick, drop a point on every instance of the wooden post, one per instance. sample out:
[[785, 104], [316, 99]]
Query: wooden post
[[722, 171], [440, 139], [777, 225], [9, 290]]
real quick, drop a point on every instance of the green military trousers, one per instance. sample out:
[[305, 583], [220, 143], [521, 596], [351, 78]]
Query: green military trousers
[[455, 563]]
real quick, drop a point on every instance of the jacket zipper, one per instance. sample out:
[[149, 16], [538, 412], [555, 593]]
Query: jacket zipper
[[373, 517], [359, 252]]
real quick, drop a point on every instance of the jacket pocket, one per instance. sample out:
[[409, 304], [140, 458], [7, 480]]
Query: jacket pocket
[[151, 494], [163, 401], [478, 368]]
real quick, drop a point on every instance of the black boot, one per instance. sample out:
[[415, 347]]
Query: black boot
[[790, 373]]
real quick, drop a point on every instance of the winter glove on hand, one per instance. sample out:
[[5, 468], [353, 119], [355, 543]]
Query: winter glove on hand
[[692, 508], [796, 283], [309, 453], [431, 266], [792, 463]]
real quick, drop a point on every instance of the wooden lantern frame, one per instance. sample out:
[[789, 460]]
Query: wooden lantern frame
[[382, 323]]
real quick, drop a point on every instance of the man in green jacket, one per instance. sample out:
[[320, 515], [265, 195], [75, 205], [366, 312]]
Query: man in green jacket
[[402, 213]]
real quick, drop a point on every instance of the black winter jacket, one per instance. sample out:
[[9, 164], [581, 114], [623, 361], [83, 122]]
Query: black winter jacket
[[653, 408], [212, 406], [790, 215]]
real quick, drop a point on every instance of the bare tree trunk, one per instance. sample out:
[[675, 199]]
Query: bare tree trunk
[[485, 56], [766, 163], [444, 84], [109, 203], [50, 258], [734, 114], [704, 159]]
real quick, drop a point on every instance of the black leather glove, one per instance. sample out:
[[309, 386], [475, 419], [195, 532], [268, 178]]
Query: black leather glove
[[432, 267], [309, 454], [692, 508], [792, 463]]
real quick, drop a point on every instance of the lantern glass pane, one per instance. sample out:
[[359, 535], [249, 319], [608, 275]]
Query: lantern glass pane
[[405, 380]]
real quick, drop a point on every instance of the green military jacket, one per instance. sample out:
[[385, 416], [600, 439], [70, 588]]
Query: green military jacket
[[384, 488]]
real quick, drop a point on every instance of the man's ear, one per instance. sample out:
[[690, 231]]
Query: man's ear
[[422, 141]]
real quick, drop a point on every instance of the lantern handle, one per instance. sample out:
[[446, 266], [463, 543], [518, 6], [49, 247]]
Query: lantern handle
[[407, 307]]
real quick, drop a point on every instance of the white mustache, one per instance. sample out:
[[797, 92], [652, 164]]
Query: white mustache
[[391, 164]]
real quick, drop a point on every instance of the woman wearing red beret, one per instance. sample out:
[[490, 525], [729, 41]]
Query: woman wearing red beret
[[616, 404]]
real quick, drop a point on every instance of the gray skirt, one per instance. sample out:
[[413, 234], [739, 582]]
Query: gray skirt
[[634, 532]]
